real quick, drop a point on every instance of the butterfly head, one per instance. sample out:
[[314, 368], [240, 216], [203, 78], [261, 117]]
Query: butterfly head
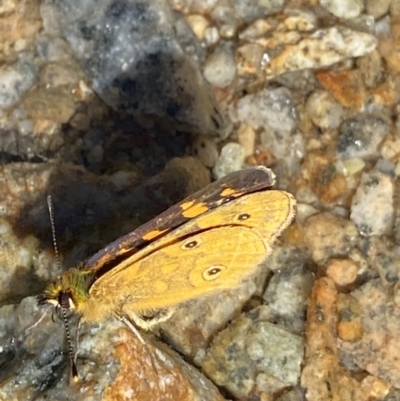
[[67, 293]]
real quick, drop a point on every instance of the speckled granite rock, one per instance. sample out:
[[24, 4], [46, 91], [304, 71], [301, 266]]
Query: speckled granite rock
[[142, 58], [326, 80]]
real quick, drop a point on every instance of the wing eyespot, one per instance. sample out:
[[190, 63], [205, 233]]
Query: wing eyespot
[[243, 216], [190, 244], [213, 272]]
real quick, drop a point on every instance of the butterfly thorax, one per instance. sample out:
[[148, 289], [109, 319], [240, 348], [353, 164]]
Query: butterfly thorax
[[70, 291]]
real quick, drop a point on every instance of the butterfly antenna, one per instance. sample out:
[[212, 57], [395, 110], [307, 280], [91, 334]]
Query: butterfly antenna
[[74, 370], [53, 231]]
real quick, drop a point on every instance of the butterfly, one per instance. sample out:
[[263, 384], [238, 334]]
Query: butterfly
[[210, 241]]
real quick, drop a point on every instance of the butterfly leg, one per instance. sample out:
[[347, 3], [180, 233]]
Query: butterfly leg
[[132, 327], [78, 332], [148, 322]]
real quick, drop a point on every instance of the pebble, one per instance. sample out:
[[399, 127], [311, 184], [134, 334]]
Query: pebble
[[287, 295], [325, 179], [258, 28], [381, 334], [346, 9], [220, 68], [372, 206], [205, 149], [230, 159], [15, 80], [199, 24], [250, 59], [268, 109], [322, 363], [327, 235], [343, 272], [134, 59], [246, 137], [322, 49], [371, 68], [54, 104], [352, 166], [377, 8], [360, 137], [259, 355], [250, 11], [324, 111], [304, 211], [350, 322], [390, 148], [225, 19]]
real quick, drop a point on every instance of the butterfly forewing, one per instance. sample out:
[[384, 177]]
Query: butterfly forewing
[[231, 186], [237, 236]]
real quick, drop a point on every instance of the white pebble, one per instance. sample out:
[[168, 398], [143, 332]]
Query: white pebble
[[220, 67], [372, 206], [231, 159]]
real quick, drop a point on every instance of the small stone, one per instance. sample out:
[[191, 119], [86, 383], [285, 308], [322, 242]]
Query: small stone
[[345, 9], [390, 148], [385, 93], [252, 352], [324, 111], [377, 388], [377, 8], [250, 11], [58, 74], [15, 80], [205, 149], [375, 351], [371, 68], [220, 67], [25, 127], [287, 295], [211, 36], [353, 166], [350, 325], [230, 159], [199, 24], [55, 104], [201, 6], [323, 48], [372, 206], [329, 236], [300, 20], [133, 53], [304, 211], [360, 137], [346, 87], [325, 180], [270, 109], [250, 58], [226, 19], [258, 28], [391, 54], [323, 376], [342, 271], [246, 137], [51, 48]]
